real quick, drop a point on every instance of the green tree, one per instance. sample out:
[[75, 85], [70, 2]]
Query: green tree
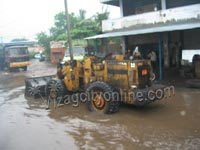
[[84, 29], [44, 40], [80, 27], [58, 31], [59, 25], [82, 14], [99, 17]]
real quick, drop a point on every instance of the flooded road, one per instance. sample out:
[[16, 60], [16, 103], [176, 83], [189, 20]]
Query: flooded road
[[170, 124]]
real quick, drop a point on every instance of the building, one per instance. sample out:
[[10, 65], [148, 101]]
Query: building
[[166, 26], [36, 49], [57, 51]]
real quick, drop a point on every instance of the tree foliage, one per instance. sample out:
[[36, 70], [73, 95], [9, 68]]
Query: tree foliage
[[82, 14], [99, 17], [80, 27], [44, 40]]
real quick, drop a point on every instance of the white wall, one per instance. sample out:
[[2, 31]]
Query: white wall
[[159, 17]]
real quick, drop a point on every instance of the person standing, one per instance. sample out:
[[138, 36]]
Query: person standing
[[136, 53], [152, 56], [128, 54]]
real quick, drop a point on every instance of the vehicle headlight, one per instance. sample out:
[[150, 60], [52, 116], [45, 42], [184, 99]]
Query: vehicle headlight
[[132, 65], [133, 86]]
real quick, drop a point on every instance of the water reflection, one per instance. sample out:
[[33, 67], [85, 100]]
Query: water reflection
[[28, 125]]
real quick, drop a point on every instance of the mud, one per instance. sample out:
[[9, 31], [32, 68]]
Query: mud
[[26, 124]]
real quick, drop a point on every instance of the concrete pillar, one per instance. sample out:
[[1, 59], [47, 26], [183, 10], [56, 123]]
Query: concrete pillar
[[121, 8], [160, 49], [163, 5], [104, 46], [96, 46], [123, 45], [166, 50]]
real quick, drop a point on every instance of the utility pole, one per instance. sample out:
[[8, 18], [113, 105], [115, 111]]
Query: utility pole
[[68, 30]]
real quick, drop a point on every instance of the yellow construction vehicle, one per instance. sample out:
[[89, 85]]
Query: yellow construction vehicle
[[105, 82]]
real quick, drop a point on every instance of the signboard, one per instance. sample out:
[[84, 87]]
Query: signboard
[[59, 44]]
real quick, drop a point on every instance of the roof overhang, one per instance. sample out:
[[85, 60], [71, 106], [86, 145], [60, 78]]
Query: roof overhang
[[110, 2], [158, 29]]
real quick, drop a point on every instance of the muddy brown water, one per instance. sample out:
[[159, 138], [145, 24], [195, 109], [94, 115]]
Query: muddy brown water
[[170, 124]]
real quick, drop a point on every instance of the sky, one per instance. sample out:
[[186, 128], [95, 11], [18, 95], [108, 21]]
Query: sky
[[26, 18]]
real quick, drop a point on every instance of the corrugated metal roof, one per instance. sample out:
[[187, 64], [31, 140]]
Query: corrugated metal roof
[[157, 29]]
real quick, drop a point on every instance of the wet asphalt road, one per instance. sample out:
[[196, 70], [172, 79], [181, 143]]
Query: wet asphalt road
[[170, 124]]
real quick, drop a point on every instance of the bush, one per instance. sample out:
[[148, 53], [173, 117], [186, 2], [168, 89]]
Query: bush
[[32, 54]]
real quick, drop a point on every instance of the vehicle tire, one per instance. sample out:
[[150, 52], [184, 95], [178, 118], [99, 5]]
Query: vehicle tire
[[193, 83], [54, 90], [101, 98], [25, 68]]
